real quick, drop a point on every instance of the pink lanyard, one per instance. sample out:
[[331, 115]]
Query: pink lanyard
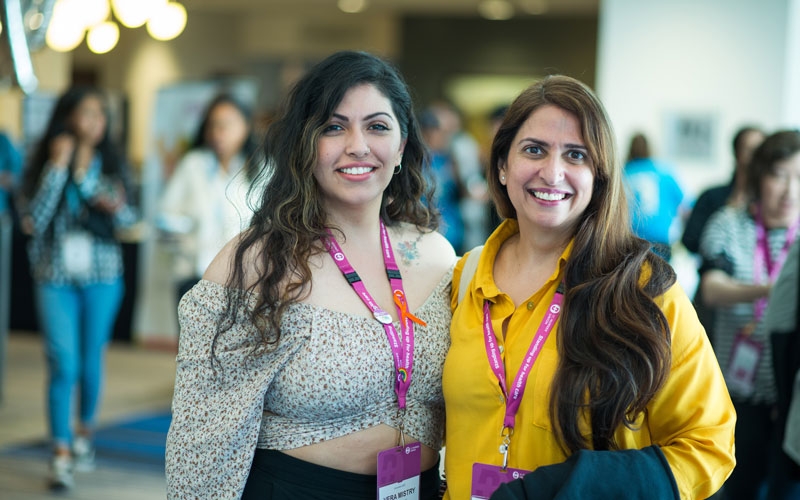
[[514, 398], [763, 259], [402, 346]]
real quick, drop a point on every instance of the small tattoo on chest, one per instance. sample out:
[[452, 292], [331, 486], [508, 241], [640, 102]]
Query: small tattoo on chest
[[408, 252]]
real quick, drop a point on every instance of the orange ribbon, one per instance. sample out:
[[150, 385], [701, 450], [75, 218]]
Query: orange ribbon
[[400, 300]]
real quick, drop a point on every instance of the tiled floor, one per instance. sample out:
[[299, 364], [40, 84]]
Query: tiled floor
[[138, 381]]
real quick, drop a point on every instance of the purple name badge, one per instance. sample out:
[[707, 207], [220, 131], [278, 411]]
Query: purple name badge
[[487, 478], [398, 472]]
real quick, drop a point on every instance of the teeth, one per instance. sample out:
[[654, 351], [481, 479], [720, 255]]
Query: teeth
[[549, 196], [356, 170]]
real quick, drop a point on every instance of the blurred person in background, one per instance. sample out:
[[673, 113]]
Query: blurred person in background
[[654, 196], [465, 153], [745, 141], [496, 116], [76, 192], [10, 168], [743, 248], [447, 193], [781, 325], [311, 353], [494, 119], [204, 203]]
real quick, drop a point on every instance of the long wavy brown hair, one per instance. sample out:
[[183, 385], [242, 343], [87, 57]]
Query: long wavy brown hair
[[613, 339], [289, 221]]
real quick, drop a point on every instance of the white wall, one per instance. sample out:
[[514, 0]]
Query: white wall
[[726, 59], [791, 89], [53, 72]]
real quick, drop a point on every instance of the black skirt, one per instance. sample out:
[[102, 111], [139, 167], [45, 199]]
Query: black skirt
[[278, 476]]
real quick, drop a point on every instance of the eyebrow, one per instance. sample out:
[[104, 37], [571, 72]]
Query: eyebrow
[[545, 143], [368, 117]]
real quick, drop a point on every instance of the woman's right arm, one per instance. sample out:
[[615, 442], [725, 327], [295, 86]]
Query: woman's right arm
[[44, 204], [718, 280], [721, 289]]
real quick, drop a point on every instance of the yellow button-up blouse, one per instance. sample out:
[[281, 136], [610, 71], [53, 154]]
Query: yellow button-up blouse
[[691, 418]]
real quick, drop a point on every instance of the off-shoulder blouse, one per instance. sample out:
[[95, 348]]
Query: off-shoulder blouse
[[330, 375]]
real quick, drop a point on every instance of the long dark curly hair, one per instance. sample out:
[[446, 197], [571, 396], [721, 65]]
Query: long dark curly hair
[[289, 222]]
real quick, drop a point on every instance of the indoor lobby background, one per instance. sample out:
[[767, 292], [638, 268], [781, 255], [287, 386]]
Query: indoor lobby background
[[688, 73]]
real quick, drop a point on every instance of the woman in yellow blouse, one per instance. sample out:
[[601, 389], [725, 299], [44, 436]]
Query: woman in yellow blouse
[[576, 360]]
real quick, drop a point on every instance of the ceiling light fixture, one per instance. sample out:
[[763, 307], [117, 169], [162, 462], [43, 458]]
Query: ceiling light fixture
[[134, 13], [496, 10], [72, 19], [103, 37], [66, 29], [534, 7], [167, 22], [34, 19], [352, 6], [93, 12]]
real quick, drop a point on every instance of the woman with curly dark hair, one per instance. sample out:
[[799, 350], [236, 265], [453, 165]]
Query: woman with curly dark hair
[[298, 347]]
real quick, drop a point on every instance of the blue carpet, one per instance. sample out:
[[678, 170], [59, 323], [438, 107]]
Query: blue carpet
[[138, 440]]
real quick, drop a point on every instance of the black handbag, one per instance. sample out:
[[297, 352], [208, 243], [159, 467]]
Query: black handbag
[[97, 222], [100, 224]]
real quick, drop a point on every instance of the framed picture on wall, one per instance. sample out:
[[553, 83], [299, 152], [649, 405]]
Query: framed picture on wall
[[690, 136]]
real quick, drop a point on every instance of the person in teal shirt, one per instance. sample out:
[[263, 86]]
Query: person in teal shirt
[[10, 167], [655, 197]]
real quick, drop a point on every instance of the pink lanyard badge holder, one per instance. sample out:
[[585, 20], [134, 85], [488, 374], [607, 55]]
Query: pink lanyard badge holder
[[486, 478], [398, 467], [746, 352]]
